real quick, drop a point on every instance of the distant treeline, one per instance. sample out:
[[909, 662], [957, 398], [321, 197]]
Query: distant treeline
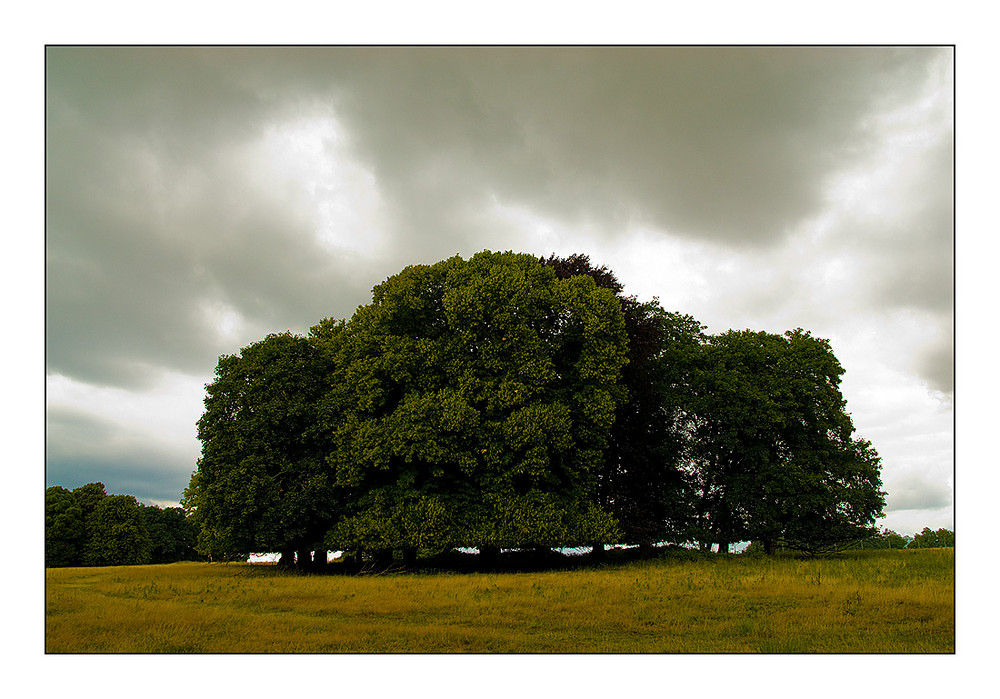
[[926, 539], [88, 527], [888, 539]]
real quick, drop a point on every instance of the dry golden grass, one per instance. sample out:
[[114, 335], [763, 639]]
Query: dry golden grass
[[860, 602]]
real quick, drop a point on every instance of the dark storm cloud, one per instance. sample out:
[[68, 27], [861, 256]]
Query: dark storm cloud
[[729, 145], [169, 99], [155, 213], [152, 216], [84, 448]]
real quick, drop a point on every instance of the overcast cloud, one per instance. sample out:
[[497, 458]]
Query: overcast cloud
[[198, 199]]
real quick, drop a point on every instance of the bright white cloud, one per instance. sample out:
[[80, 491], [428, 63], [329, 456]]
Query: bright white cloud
[[308, 158], [223, 319]]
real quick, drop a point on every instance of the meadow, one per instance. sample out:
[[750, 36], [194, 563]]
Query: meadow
[[886, 601]]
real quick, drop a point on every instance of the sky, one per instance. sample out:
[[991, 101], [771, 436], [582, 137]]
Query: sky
[[197, 199]]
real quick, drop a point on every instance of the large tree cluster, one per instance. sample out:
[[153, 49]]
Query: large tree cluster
[[86, 526], [506, 401]]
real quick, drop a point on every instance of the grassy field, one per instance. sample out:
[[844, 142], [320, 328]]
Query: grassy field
[[887, 601]]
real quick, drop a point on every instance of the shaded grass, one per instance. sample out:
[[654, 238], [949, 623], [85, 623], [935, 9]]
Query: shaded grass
[[861, 602]]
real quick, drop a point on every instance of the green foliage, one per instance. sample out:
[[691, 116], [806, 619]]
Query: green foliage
[[87, 526], [640, 479], [505, 401], [262, 483], [928, 539], [173, 535], [89, 496], [774, 454], [888, 539], [68, 516], [646, 479], [65, 531], [117, 533], [481, 388]]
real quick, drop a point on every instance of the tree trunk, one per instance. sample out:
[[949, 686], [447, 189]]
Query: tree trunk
[[598, 551], [489, 556], [409, 556], [723, 547], [305, 560], [319, 559], [287, 559], [645, 550], [541, 552], [769, 546], [383, 558]]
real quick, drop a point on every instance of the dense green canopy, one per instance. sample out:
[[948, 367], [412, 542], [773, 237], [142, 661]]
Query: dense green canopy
[[641, 481], [470, 406], [65, 529], [507, 401], [86, 526], [117, 533], [262, 483], [772, 446]]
